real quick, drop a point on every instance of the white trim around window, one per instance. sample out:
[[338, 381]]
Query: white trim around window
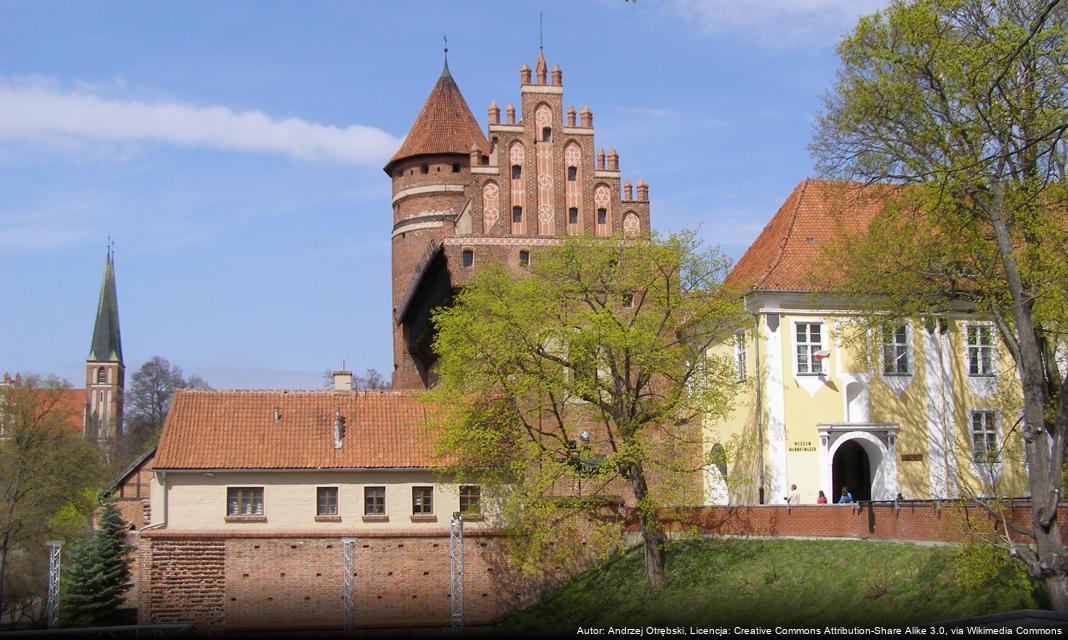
[[980, 350], [805, 343]]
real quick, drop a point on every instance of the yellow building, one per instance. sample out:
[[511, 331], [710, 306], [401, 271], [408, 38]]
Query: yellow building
[[925, 408]]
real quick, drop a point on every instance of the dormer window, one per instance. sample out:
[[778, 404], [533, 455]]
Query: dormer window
[[517, 172]]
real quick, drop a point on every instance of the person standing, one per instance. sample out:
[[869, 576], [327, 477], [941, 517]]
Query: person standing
[[794, 498], [822, 499]]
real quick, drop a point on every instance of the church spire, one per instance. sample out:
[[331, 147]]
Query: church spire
[[107, 343]]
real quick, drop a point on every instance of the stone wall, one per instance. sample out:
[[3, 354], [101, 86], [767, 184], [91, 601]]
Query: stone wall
[[294, 581]]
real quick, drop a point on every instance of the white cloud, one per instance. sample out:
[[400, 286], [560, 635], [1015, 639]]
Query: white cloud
[[779, 24], [37, 110]]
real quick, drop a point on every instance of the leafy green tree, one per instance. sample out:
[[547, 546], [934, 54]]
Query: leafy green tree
[[45, 469], [962, 105], [586, 384], [98, 574]]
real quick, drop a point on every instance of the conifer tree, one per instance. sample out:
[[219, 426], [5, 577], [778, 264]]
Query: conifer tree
[[99, 574]]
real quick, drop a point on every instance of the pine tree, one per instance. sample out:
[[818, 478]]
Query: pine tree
[[99, 574]]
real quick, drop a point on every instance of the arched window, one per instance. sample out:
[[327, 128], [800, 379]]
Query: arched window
[[572, 174], [468, 258], [524, 258], [517, 172], [101, 375]]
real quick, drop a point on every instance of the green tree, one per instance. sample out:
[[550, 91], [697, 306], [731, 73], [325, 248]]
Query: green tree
[[98, 574], [45, 468], [961, 103], [585, 383]]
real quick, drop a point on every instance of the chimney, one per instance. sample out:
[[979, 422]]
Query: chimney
[[342, 381], [571, 116], [339, 428]]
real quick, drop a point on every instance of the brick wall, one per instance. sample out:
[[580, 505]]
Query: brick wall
[[911, 520], [294, 581]]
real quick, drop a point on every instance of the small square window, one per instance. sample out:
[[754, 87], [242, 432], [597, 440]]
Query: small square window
[[517, 172], [896, 350], [456, 167], [546, 134], [470, 499], [468, 258], [984, 436], [628, 300], [572, 215], [326, 501], [244, 501], [374, 501], [422, 500], [980, 350], [517, 215], [524, 258], [572, 174]]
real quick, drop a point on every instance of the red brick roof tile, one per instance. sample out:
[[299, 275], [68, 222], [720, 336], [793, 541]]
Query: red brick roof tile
[[782, 256], [212, 429], [444, 125]]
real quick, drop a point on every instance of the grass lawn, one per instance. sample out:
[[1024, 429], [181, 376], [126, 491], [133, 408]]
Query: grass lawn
[[726, 582]]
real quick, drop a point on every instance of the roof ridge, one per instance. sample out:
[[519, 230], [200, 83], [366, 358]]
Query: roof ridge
[[265, 392]]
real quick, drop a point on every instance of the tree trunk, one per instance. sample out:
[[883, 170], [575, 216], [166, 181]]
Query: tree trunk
[[651, 534]]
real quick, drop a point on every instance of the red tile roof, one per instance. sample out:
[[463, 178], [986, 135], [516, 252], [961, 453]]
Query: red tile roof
[[444, 125], [791, 245], [212, 429]]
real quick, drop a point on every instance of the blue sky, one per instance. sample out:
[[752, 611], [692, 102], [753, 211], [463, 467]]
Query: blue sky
[[234, 151]]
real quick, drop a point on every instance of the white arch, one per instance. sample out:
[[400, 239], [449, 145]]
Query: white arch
[[882, 462]]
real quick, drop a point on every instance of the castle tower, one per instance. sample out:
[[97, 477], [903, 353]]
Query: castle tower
[[431, 194], [460, 202], [105, 372]]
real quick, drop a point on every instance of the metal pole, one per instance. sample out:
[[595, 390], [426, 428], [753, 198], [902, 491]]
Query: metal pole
[[52, 599], [349, 583], [456, 570]]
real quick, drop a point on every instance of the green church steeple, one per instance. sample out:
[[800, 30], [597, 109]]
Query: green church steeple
[[107, 342]]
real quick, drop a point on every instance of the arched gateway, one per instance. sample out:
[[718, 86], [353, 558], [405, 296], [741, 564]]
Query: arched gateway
[[859, 456]]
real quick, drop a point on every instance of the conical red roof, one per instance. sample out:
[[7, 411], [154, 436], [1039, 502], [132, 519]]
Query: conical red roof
[[445, 124]]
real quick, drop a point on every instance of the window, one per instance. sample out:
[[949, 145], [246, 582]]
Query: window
[[468, 258], [984, 436], [602, 216], [470, 497], [456, 167], [422, 500], [546, 134], [424, 168], [896, 350], [524, 258], [628, 300], [572, 215], [517, 172], [980, 350], [740, 359], [244, 501], [101, 375], [374, 501], [572, 174], [326, 501], [517, 215], [809, 344]]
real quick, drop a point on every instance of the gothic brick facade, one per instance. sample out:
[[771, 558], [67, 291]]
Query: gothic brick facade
[[462, 200]]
